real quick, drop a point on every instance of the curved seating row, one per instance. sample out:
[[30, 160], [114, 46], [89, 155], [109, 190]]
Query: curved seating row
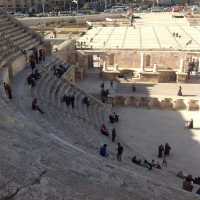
[[15, 38]]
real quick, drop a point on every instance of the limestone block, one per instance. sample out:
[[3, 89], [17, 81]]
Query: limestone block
[[130, 101], [154, 103], [137, 102], [118, 101], [179, 104], [193, 105], [144, 102], [166, 104]]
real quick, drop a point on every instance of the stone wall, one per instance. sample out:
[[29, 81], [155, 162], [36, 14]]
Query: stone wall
[[132, 59], [66, 52], [163, 103]]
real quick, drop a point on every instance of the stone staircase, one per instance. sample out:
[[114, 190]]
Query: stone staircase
[[18, 38]]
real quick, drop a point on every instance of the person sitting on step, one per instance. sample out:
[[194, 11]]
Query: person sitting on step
[[35, 106], [104, 130]]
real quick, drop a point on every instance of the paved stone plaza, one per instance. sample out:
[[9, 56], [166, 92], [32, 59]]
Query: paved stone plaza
[[152, 31]]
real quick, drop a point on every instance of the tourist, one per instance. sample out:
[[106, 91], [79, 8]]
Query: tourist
[[133, 88], [31, 80], [67, 100], [120, 150], [86, 101], [103, 151], [155, 164], [32, 63], [102, 85], [8, 90], [111, 118], [197, 180], [167, 149], [180, 91], [116, 117], [181, 175], [36, 75], [72, 100], [104, 130], [188, 183], [111, 83], [160, 151], [136, 161], [113, 134], [147, 164], [35, 106], [189, 124]]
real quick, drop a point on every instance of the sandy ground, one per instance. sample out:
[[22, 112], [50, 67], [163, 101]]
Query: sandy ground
[[143, 130]]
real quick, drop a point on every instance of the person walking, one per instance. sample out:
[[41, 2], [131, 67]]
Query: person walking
[[180, 91], [120, 150]]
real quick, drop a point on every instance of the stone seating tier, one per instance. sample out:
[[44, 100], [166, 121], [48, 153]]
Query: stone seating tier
[[18, 35]]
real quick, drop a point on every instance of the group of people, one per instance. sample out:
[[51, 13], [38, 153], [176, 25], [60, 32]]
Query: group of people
[[104, 131], [69, 100], [113, 118], [60, 70], [189, 181], [145, 163], [104, 151], [33, 77], [37, 57], [163, 152], [176, 35]]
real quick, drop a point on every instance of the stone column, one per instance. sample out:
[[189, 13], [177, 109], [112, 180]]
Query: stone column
[[141, 62], [199, 64], [155, 68], [181, 69], [104, 66]]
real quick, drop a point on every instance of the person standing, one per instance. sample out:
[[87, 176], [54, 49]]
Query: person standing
[[167, 149], [180, 91], [160, 151], [8, 90], [120, 150], [72, 99], [113, 134], [111, 83]]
